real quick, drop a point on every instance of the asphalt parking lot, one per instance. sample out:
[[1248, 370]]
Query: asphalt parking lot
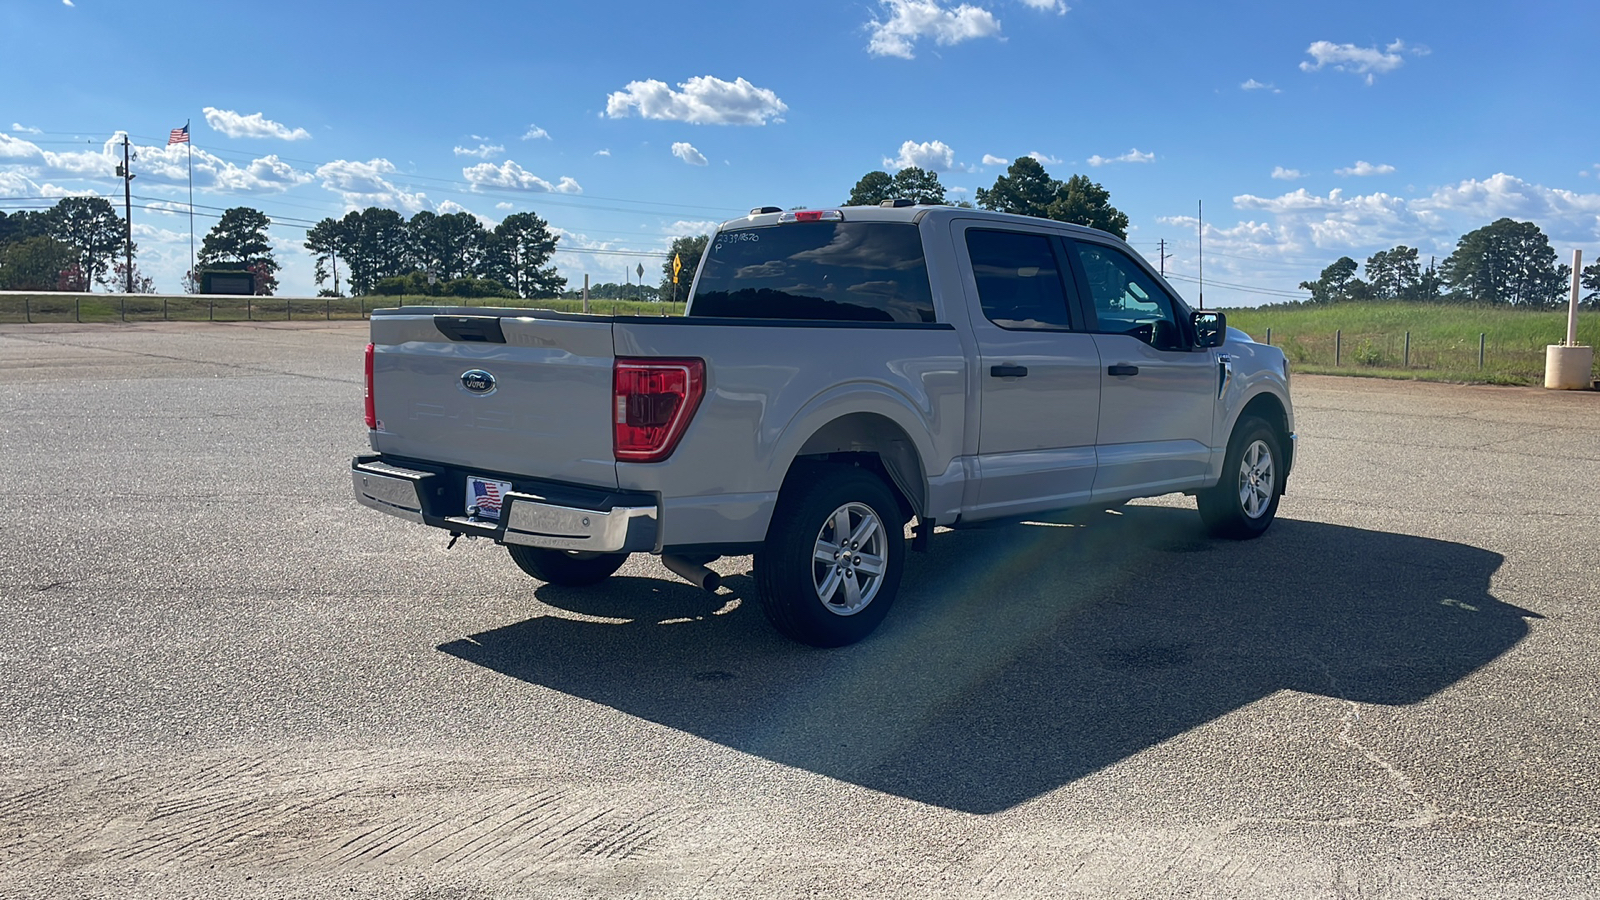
[[221, 677]]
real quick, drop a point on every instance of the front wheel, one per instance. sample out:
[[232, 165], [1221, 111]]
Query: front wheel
[[1244, 502], [831, 564], [569, 568]]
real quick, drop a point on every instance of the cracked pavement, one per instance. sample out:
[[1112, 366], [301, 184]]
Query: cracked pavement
[[221, 677]]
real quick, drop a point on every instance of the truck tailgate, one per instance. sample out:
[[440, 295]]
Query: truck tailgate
[[543, 411]]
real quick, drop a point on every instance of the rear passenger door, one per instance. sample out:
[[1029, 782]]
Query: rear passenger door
[[1039, 402], [1158, 390]]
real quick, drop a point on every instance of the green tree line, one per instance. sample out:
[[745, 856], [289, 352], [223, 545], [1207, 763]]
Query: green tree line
[[72, 246], [382, 252], [1504, 263]]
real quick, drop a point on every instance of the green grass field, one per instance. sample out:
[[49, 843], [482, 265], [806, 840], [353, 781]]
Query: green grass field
[[1444, 339], [140, 308]]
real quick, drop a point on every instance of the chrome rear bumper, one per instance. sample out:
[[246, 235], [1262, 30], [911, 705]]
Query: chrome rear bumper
[[525, 519]]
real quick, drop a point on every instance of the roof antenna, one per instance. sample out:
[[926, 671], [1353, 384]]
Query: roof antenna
[[1200, 206]]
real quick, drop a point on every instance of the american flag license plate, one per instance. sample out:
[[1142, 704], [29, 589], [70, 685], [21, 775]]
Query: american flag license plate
[[485, 497]]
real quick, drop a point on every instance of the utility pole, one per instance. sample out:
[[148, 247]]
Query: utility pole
[[1200, 207], [127, 205], [1162, 256]]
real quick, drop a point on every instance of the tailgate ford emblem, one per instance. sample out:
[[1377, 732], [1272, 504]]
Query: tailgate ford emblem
[[477, 381]]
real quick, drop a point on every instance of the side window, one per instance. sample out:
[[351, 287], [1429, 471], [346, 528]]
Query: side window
[[1128, 301], [1019, 282]]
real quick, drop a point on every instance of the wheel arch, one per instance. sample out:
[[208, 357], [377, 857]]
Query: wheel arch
[[1268, 407], [870, 440]]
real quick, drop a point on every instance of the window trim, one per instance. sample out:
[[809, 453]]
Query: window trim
[[1068, 282]]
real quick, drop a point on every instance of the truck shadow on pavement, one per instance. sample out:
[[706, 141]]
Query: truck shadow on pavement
[[1018, 659]]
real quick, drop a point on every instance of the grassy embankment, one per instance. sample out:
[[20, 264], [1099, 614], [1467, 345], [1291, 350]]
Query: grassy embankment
[[146, 308], [1444, 339]]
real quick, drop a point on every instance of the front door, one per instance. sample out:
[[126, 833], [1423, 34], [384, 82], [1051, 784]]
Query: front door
[[1157, 389], [1039, 374]]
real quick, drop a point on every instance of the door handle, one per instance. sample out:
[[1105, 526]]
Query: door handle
[[1122, 369], [1008, 371]]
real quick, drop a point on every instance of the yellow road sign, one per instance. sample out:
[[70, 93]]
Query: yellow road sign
[[677, 265]]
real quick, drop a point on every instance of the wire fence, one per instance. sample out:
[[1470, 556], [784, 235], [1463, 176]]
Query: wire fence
[[1480, 357]]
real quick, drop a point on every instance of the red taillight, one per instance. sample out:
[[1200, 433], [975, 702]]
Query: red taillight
[[653, 401], [372, 411]]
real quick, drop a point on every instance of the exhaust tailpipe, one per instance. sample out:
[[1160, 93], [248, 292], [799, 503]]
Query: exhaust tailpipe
[[693, 572]]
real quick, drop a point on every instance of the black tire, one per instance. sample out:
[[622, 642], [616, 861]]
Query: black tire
[[789, 579], [569, 568], [1245, 501]]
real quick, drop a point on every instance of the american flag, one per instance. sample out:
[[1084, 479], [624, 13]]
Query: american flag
[[486, 497], [179, 135]]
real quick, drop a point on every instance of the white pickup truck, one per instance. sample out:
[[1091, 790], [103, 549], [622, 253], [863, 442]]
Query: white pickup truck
[[838, 374]]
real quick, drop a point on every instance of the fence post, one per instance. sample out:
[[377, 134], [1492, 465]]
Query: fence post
[[1480, 351], [1408, 351], [249, 308], [77, 309], [1269, 337], [27, 311], [163, 309], [1338, 339], [124, 307], [288, 309], [211, 309], [327, 308]]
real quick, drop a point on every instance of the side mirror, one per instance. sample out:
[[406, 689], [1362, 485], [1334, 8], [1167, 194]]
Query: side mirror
[[1211, 327]]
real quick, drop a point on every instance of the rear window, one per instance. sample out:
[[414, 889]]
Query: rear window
[[833, 271]]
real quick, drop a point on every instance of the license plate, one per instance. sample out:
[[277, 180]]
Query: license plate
[[485, 496]]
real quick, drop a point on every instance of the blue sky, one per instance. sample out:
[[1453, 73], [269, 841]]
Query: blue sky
[[1309, 131]]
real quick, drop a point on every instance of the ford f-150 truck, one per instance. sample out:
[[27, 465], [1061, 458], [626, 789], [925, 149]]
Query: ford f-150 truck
[[837, 375]]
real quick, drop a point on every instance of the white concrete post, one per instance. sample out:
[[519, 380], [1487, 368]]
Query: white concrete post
[[585, 292], [1572, 306], [1569, 366]]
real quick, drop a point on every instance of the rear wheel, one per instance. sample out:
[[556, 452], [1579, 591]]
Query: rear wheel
[[1244, 502], [831, 565], [570, 568]]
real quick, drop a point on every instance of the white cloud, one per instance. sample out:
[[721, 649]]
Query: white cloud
[[1566, 215], [602, 153], [535, 133], [935, 156], [483, 151], [689, 228], [17, 148], [910, 20], [1044, 158], [363, 184], [704, 100], [254, 125], [154, 165], [510, 176], [1132, 156], [686, 152], [68, 3], [1254, 85], [1362, 169], [989, 159], [503, 205], [1282, 174], [1059, 6], [19, 128], [1367, 62]]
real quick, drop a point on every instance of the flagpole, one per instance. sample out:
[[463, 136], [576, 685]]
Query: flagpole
[[192, 288]]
